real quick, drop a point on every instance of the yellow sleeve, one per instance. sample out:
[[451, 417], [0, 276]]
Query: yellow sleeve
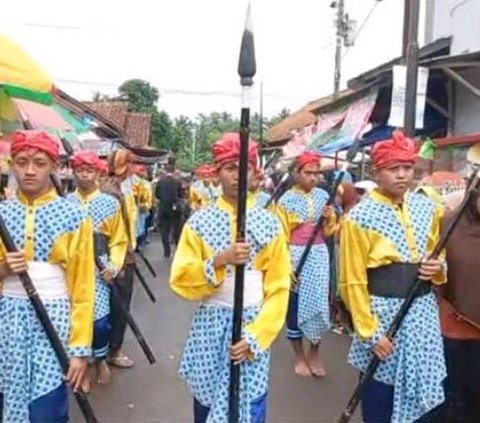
[[331, 225], [148, 195], [193, 275], [288, 219], [76, 249], [433, 236], [353, 280], [274, 261], [132, 211], [114, 228], [194, 198]]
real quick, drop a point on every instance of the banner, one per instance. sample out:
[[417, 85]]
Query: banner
[[399, 87]]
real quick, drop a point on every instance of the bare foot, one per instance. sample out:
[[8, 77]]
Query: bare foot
[[315, 363], [87, 383], [104, 374], [302, 369]]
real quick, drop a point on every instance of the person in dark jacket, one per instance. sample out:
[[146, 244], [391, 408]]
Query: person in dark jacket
[[168, 193]]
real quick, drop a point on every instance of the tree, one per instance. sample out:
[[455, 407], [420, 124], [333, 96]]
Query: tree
[[162, 130], [140, 95]]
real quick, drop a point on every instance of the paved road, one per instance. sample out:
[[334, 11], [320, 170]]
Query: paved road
[[148, 394]]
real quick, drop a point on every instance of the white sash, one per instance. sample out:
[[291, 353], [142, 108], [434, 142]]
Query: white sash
[[49, 280], [252, 293]]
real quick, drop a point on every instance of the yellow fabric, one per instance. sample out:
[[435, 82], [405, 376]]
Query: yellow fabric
[[74, 252], [17, 67], [197, 199], [114, 228], [143, 193], [188, 278], [361, 249]]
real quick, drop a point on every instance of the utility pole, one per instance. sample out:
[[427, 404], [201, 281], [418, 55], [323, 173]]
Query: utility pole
[[340, 27], [412, 14]]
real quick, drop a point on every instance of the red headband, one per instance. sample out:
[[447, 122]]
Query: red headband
[[205, 170], [139, 169], [87, 158], [36, 141], [398, 149], [227, 149], [309, 157]]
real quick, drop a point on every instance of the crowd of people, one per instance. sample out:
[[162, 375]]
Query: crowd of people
[[351, 275]]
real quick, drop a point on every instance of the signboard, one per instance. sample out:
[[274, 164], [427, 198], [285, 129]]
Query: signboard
[[398, 96]]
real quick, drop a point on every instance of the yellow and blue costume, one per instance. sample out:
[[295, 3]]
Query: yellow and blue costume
[[206, 361], [57, 238]]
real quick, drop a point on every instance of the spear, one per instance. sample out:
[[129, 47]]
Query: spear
[[409, 299], [246, 70]]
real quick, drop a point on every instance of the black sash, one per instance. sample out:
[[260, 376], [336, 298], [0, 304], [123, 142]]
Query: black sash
[[395, 280]]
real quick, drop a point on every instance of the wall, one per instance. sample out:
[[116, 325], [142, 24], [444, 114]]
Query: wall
[[467, 108], [457, 18]]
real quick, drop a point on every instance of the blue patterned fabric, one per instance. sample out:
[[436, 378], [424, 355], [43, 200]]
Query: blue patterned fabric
[[205, 364], [29, 367], [50, 408], [417, 366], [258, 411], [313, 290], [52, 219], [261, 198], [102, 331]]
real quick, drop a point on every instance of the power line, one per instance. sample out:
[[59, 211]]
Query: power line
[[179, 91], [367, 18]]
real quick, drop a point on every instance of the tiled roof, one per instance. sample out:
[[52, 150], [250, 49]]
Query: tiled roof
[[116, 111], [137, 129], [136, 126]]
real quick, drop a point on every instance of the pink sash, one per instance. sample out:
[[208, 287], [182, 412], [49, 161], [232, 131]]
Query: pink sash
[[302, 234]]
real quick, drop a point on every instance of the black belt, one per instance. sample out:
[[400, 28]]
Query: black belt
[[395, 280]]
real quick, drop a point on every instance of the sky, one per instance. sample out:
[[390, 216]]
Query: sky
[[189, 49]]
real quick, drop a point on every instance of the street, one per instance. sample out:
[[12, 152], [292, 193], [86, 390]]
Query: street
[[148, 394]]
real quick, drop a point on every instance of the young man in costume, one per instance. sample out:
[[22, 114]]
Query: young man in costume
[[256, 188], [55, 242], [119, 184], [385, 241], [142, 190], [202, 191], [111, 243], [203, 269], [308, 314]]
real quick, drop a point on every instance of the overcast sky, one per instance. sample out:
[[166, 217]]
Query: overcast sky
[[189, 48]]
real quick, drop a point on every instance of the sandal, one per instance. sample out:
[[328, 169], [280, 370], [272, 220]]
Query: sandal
[[120, 360]]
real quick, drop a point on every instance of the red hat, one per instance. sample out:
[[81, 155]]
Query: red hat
[[139, 169], [36, 141], [227, 149], [205, 170], [308, 157], [398, 149], [103, 166], [87, 158]]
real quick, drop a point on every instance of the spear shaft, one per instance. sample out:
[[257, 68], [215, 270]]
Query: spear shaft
[[246, 71]]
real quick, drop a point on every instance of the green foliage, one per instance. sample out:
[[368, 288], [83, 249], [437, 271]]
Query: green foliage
[[141, 95], [190, 140]]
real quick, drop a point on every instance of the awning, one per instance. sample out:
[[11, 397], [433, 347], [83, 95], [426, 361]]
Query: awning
[[356, 120], [20, 75]]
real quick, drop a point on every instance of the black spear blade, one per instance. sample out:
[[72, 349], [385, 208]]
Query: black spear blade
[[247, 67]]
